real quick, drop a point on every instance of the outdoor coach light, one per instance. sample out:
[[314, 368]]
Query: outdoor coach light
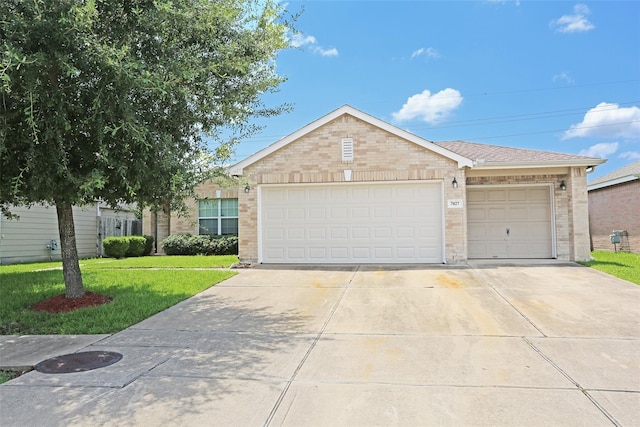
[[454, 183], [563, 186], [247, 188]]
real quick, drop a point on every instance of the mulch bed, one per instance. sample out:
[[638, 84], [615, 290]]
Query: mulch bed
[[62, 304]]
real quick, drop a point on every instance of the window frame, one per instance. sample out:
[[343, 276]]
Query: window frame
[[219, 217]]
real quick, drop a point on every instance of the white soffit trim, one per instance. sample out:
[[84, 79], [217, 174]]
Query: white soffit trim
[[543, 164], [347, 109], [613, 182]]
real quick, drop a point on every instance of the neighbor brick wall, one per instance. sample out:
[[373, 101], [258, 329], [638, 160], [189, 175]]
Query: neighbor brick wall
[[615, 208], [378, 156]]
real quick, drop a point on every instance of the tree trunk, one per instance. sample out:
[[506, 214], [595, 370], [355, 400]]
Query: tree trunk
[[70, 266]]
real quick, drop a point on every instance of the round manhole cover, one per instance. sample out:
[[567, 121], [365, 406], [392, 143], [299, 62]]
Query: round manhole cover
[[78, 362]]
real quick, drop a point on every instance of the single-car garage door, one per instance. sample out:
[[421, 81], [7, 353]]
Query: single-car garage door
[[509, 222], [352, 223]]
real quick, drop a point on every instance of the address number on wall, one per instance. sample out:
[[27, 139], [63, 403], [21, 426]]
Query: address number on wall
[[455, 204]]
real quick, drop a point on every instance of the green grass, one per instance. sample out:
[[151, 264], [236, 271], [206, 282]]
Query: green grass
[[9, 375], [175, 261], [137, 293], [6, 376], [623, 265]]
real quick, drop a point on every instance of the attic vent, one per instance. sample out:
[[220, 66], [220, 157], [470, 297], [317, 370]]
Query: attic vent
[[347, 149]]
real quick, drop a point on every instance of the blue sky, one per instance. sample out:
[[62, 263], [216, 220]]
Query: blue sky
[[546, 75]]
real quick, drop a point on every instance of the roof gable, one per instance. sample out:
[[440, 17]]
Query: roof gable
[[346, 109]]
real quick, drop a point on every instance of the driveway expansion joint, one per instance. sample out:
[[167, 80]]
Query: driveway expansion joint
[[343, 291], [568, 377]]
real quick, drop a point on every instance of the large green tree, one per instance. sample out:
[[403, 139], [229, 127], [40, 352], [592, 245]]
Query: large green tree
[[112, 101]]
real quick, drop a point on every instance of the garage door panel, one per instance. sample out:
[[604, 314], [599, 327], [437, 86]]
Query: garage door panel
[[361, 253], [518, 213], [340, 253], [360, 233], [524, 211], [360, 212], [317, 233], [383, 193], [498, 213], [295, 252], [274, 214], [517, 195], [339, 233], [296, 196], [476, 232], [339, 212], [296, 233], [275, 234], [496, 195], [476, 213], [294, 214], [353, 223], [337, 194], [317, 213]]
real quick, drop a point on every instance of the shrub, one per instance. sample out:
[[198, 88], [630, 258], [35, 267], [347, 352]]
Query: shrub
[[148, 245], [136, 246], [115, 247], [188, 244], [177, 244], [224, 245]]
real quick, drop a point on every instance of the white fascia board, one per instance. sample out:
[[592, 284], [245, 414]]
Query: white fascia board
[[237, 169], [546, 164], [612, 182]]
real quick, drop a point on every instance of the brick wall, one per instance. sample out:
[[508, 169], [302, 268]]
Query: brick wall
[[378, 156], [615, 208]]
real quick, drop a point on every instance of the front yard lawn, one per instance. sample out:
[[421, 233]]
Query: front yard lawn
[[623, 265], [139, 287]]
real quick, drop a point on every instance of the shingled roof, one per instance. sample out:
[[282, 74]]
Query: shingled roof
[[486, 155], [627, 173]]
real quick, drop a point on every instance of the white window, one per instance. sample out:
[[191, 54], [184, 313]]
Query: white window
[[218, 217], [347, 149]]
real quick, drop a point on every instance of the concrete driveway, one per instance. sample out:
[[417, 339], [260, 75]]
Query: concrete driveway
[[486, 344]]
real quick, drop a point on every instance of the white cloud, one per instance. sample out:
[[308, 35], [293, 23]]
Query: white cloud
[[428, 52], [517, 2], [326, 52], [563, 76], [301, 40], [576, 23], [630, 155], [601, 150], [609, 121], [429, 108]]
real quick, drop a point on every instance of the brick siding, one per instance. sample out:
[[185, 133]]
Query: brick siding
[[378, 156], [615, 208]]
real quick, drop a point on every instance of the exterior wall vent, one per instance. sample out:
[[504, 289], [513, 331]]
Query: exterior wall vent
[[347, 149]]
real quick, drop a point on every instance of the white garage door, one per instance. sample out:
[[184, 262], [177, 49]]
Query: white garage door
[[509, 222], [352, 223]]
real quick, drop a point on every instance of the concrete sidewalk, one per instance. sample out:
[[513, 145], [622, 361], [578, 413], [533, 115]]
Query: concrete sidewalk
[[488, 344]]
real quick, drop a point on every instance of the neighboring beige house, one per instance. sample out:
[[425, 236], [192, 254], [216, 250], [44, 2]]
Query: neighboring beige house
[[614, 204], [34, 236], [350, 188]]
